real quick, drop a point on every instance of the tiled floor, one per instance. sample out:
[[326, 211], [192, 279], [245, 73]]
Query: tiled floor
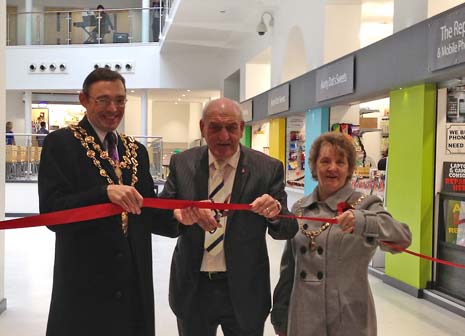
[[28, 274]]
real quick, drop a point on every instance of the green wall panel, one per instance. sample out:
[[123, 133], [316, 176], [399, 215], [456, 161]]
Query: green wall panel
[[410, 186], [246, 139]]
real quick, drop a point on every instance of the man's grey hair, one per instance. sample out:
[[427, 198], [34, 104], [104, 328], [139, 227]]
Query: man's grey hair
[[237, 105]]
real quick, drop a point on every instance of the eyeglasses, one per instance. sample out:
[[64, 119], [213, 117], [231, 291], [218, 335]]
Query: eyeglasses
[[106, 101]]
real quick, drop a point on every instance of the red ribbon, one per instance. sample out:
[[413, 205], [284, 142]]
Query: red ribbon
[[105, 210]]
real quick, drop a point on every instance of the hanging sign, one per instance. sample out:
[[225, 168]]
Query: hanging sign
[[446, 40], [335, 79], [278, 99], [455, 142], [247, 110]]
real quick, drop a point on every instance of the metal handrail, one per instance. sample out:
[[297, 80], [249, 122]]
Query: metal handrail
[[164, 10]]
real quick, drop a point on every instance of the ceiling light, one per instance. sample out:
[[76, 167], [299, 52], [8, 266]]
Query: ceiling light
[[188, 90], [183, 95]]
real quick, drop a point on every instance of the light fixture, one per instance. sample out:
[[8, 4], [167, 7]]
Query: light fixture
[[261, 27]]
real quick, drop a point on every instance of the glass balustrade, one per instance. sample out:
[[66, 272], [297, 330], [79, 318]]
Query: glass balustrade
[[87, 26], [22, 158]]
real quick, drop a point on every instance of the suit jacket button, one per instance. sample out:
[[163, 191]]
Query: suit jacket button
[[119, 255], [320, 250], [319, 275], [118, 295], [303, 249], [303, 275]]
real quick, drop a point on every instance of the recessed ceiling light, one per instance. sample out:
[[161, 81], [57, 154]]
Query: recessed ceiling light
[[188, 90], [183, 95], [175, 103], [179, 99], [132, 91]]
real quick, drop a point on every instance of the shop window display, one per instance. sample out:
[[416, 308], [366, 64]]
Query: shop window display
[[295, 151]]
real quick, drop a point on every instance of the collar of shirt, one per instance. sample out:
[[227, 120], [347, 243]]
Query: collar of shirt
[[233, 161], [342, 195], [101, 134]]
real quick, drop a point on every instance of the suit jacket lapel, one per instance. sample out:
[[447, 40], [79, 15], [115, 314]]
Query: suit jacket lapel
[[241, 177], [201, 174]]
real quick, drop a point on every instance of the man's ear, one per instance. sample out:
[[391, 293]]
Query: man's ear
[[201, 124], [83, 99]]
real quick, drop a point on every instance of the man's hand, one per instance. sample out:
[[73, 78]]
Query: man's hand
[[126, 197], [266, 206], [191, 215]]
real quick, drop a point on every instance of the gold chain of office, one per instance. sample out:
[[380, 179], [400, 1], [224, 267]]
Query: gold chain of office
[[94, 150], [312, 234]]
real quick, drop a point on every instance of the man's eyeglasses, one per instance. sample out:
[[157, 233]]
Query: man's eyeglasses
[[106, 101]]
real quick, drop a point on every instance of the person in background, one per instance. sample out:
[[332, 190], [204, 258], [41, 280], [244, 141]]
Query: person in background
[[10, 138], [102, 279], [104, 25], [323, 287], [42, 130], [156, 19], [382, 163], [220, 267]]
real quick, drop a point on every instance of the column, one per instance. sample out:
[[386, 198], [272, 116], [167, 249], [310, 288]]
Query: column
[[145, 21], [27, 99], [278, 139], [407, 13], [2, 152], [316, 123], [144, 105], [410, 178], [28, 21], [341, 39]]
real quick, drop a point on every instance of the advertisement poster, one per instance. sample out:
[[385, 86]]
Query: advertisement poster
[[454, 177], [455, 222]]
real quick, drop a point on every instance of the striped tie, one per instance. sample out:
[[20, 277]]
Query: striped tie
[[214, 241]]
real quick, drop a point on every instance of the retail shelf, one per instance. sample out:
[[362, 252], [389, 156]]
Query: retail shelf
[[366, 111], [367, 130]]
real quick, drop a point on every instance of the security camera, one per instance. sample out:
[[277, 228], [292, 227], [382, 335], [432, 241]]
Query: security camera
[[128, 66], [96, 66], [32, 67], [107, 66], [42, 67], [261, 28], [62, 67], [118, 67], [52, 67]]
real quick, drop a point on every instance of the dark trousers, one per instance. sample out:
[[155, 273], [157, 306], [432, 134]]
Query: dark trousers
[[212, 307]]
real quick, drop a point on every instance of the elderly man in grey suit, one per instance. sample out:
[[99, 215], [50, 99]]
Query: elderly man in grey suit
[[220, 266]]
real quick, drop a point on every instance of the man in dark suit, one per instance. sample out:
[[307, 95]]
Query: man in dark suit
[[226, 282], [102, 282]]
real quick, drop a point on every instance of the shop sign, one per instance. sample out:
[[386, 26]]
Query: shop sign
[[455, 143], [454, 177], [247, 110], [446, 40], [278, 99], [336, 79]]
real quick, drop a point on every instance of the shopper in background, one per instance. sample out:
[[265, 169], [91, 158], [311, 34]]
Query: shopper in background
[[10, 138], [220, 270], [42, 130], [156, 19], [104, 25], [323, 288], [382, 163]]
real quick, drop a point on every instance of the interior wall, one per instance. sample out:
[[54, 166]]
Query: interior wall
[[132, 116], [341, 39], [257, 79], [14, 110], [171, 121], [435, 7], [195, 114], [295, 58], [2, 152]]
